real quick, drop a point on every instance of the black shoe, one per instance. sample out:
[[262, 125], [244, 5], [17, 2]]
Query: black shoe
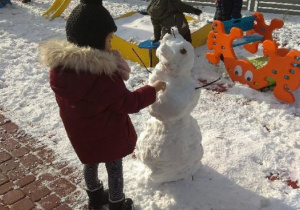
[[125, 204], [97, 198], [128, 204], [26, 1]]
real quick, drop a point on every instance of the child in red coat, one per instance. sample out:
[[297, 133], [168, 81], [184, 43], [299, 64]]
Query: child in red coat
[[87, 78]]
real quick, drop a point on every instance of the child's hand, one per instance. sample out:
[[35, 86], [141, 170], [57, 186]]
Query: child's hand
[[159, 85]]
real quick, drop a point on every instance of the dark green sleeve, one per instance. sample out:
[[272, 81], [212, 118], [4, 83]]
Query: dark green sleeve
[[183, 7], [156, 28]]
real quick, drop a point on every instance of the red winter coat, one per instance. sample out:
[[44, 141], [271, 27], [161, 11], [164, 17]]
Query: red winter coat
[[94, 101]]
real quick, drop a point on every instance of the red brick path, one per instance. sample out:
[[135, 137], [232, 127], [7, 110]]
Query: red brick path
[[31, 177]]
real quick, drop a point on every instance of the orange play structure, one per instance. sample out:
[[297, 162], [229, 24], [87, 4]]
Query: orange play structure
[[283, 65]]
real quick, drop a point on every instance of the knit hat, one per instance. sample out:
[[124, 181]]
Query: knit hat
[[89, 24]]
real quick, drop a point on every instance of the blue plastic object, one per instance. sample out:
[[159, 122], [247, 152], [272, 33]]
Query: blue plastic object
[[143, 11], [148, 44], [245, 23], [247, 39]]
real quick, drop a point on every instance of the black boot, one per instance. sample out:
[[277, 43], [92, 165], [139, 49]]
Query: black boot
[[97, 198], [125, 204], [26, 1]]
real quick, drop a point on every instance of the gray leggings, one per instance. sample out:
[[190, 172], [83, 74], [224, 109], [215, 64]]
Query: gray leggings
[[115, 178]]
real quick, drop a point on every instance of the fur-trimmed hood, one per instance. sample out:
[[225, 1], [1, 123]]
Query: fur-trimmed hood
[[54, 53]]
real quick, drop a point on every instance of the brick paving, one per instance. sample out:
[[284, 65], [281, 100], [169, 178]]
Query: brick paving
[[31, 177]]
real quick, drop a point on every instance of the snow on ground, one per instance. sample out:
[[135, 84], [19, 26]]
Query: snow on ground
[[137, 28], [247, 134]]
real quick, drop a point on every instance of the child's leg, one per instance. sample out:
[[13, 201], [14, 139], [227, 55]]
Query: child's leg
[[227, 9], [188, 36], [219, 10], [237, 9], [115, 180], [90, 172], [97, 195], [117, 199]]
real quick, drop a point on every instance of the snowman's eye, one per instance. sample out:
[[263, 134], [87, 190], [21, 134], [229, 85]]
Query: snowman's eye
[[183, 51]]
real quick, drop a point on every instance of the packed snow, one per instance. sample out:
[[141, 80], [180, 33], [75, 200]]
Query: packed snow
[[247, 135], [171, 129]]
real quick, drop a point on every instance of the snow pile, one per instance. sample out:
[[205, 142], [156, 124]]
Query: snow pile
[[170, 145]]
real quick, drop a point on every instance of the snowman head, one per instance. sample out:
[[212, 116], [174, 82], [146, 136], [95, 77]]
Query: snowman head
[[176, 54]]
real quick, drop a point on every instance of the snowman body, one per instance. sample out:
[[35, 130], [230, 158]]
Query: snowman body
[[170, 145]]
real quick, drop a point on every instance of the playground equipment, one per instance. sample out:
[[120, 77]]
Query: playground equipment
[[56, 9], [283, 65], [147, 51], [4, 2], [127, 49]]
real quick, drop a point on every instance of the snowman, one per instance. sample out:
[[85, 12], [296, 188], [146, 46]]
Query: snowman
[[170, 145]]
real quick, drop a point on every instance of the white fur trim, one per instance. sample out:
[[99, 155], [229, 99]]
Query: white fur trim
[[54, 53]]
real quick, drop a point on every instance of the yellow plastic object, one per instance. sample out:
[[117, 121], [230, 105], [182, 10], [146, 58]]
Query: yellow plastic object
[[53, 7], [148, 56], [199, 37], [56, 9], [126, 15]]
